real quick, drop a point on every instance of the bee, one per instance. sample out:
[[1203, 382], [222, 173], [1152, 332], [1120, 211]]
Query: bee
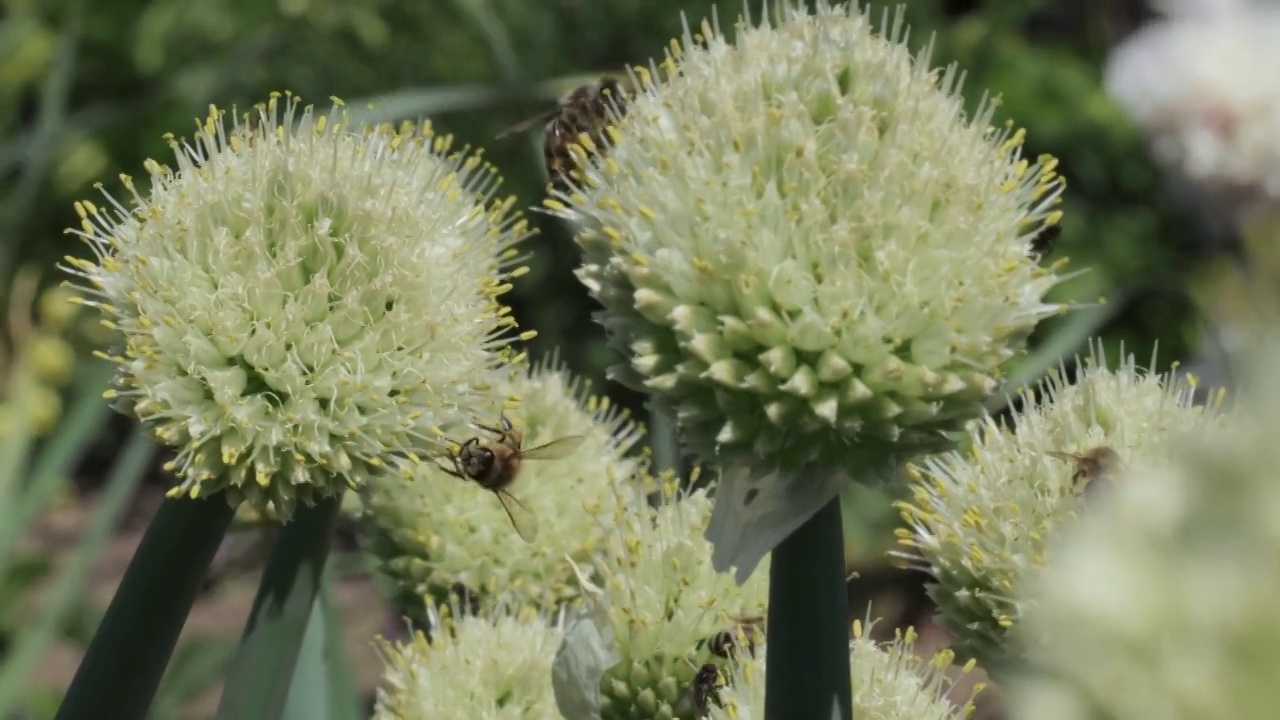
[[585, 109], [725, 643], [706, 688], [1099, 463], [496, 465], [1042, 244]]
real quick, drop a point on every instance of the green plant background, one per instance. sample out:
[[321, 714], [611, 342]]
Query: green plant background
[[88, 88]]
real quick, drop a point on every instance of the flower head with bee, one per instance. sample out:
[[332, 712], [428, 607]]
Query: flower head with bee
[[303, 303], [806, 249]]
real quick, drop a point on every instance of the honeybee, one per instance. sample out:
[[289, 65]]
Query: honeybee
[[1099, 463], [725, 643], [705, 688], [1042, 244], [585, 109], [496, 465]]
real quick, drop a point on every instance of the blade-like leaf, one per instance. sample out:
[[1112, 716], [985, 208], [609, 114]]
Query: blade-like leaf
[[321, 688], [50, 468], [258, 682], [30, 644], [422, 103]]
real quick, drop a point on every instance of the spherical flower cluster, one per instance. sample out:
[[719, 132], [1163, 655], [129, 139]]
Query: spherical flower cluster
[[1162, 604], [980, 521], [437, 535], [493, 667], [1188, 81], [658, 614], [890, 682], [303, 304], [804, 246]]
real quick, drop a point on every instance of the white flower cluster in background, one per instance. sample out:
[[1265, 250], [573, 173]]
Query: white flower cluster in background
[[1162, 603], [980, 521], [1201, 83]]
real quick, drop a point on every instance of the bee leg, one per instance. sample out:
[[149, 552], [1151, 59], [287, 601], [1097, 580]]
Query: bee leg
[[500, 432]]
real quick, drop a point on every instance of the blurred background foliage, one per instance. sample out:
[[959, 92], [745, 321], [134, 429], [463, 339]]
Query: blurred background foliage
[[87, 89]]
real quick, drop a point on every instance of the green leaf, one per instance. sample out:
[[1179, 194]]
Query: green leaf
[[126, 659], [29, 647], [1081, 325], [258, 683], [808, 624], [60, 454], [321, 688], [423, 103], [196, 666]]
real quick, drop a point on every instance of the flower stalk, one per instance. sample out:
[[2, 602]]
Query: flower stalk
[[147, 613], [808, 623]]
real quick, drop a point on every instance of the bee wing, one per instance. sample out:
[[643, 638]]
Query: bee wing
[[539, 119], [522, 518], [1069, 457], [557, 448]]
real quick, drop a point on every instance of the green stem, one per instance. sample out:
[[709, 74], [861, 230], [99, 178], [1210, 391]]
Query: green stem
[[258, 683], [127, 657], [662, 438], [807, 653]]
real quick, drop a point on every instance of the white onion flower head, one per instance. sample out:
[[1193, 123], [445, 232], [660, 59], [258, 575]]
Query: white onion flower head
[[806, 249], [1195, 82], [980, 522], [495, 666], [303, 304], [654, 615], [435, 534], [890, 682], [1163, 602]]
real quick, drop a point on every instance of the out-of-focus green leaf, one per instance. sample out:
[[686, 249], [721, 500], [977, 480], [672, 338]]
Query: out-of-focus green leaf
[[196, 666], [61, 599], [60, 454], [422, 103]]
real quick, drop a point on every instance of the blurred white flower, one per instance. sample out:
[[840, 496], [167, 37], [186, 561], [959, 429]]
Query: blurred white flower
[[303, 304], [890, 682], [434, 533], [659, 614], [489, 667], [1200, 83], [805, 248], [1162, 603], [980, 522]]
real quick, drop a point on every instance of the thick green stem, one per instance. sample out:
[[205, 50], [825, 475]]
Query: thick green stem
[[258, 683], [807, 669], [127, 657]]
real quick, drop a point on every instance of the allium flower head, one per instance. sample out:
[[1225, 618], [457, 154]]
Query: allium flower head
[[434, 531], [1191, 82], [1162, 604], [657, 616], [476, 667], [303, 304], [807, 250], [980, 521], [890, 682]]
